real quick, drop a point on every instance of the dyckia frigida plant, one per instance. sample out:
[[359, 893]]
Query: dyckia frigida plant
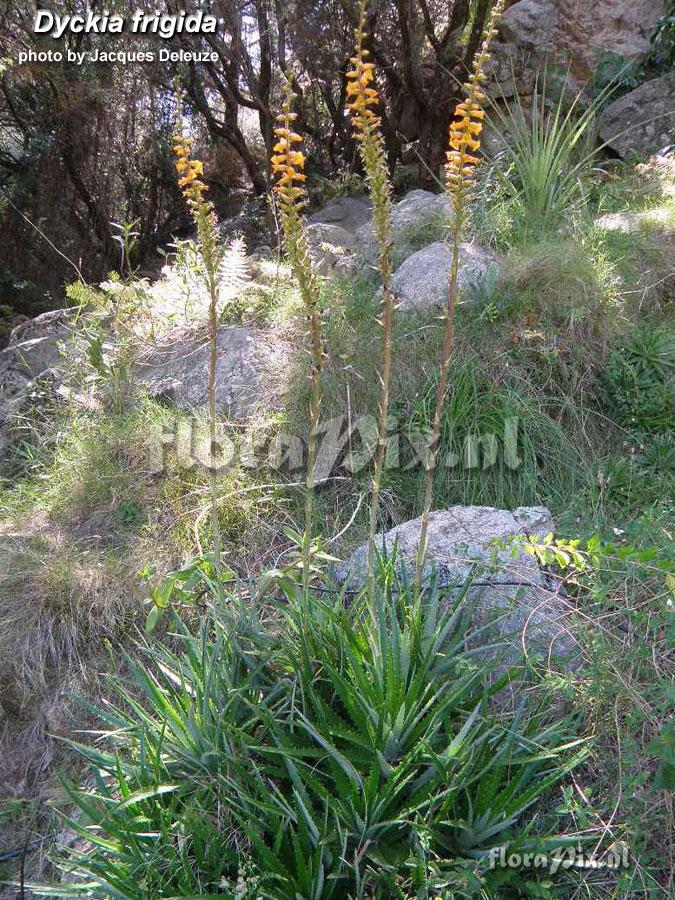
[[193, 189], [461, 162], [362, 97], [288, 163]]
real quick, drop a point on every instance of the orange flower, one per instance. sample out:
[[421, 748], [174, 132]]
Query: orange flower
[[287, 163], [464, 136], [192, 187], [361, 97]]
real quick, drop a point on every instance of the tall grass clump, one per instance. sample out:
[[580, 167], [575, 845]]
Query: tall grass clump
[[287, 164], [341, 755], [464, 142], [499, 442], [548, 155], [367, 132]]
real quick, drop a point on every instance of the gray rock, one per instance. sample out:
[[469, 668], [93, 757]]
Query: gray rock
[[510, 589], [532, 24], [341, 235], [420, 208], [574, 33], [620, 26], [510, 73], [418, 219], [332, 248], [39, 350], [350, 213], [37, 344], [421, 282], [642, 121], [249, 362]]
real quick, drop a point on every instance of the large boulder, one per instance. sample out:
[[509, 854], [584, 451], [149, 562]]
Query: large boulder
[[531, 25], [619, 26], [38, 344], [421, 282], [417, 220], [568, 32], [510, 589], [350, 213], [341, 235], [248, 370], [643, 121], [39, 350], [332, 248]]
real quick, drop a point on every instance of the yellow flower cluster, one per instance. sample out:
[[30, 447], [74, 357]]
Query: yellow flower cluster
[[189, 171], [288, 163], [467, 126], [464, 140], [361, 96]]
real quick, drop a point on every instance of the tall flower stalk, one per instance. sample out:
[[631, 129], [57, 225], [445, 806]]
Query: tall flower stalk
[[193, 189], [461, 162], [288, 163], [362, 96]]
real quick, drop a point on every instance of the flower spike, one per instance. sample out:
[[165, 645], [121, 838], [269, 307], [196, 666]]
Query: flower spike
[[362, 98], [288, 163], [461, 161]]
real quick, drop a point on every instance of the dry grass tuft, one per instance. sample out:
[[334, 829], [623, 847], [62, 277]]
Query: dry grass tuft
[[59, 600]]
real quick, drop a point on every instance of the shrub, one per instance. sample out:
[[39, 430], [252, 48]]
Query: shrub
[[638, 379], [337, 756], [342, 184], [613, 72], [489, 298], [663, 40], [630, 487]]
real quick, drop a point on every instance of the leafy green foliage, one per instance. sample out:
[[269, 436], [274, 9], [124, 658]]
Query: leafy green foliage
[[663, 40], [638, 379], [340, 755], [614, 72], [490, 297], [663, 748], [343, 184]]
